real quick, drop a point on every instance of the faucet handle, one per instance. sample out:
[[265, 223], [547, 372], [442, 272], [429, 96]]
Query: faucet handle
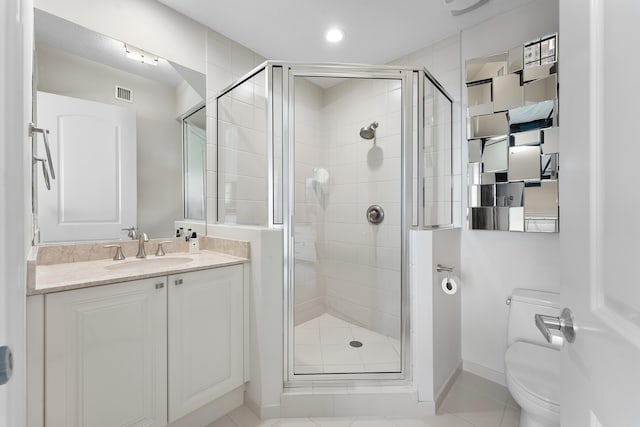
[[133, 232], [119, 256], [160, 251]]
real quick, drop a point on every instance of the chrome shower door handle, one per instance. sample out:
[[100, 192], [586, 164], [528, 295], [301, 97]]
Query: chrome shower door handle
[[47, 148], [564, 323]]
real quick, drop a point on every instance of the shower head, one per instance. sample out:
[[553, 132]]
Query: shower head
[[369, 132]]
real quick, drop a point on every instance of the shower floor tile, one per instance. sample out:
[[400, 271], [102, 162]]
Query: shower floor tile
[[322, 346]]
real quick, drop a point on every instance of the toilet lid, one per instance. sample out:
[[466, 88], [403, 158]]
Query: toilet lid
[[536, 369]]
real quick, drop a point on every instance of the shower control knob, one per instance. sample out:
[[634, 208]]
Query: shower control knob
[[375, 214]]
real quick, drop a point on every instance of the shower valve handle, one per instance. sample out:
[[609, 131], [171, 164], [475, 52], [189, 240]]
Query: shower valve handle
[[375, 214]]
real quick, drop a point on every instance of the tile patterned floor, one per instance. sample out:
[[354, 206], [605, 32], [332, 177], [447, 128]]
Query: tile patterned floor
[[471, 402], [322, 346]]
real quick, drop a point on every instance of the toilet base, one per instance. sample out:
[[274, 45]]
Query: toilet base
[[527, 420]]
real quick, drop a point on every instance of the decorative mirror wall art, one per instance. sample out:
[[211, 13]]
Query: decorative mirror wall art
[[512, 132]]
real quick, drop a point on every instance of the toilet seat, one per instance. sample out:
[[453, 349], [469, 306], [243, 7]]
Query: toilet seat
[[533, 372]]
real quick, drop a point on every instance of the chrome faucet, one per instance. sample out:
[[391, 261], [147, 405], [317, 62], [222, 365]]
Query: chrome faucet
[[142, 238]]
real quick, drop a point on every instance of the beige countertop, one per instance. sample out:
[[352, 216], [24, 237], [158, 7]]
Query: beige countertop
[[83, 274]]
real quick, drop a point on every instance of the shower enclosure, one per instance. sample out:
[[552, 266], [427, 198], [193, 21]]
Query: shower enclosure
[[346, 159]]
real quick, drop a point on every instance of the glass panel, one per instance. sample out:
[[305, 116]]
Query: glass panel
[[437, 157], [242, 154], [194, 128], [347, 270]]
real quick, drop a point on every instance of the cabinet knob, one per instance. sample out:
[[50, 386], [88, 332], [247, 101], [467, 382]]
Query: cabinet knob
[[159, 285], [178, 282]]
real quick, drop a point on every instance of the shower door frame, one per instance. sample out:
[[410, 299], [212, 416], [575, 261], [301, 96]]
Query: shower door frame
[[409, 199]]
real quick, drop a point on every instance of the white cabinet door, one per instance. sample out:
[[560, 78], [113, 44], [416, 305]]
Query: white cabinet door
[[106, 358], [205, 337]]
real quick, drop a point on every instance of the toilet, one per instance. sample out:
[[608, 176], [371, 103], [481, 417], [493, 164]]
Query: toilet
[[532, 365]]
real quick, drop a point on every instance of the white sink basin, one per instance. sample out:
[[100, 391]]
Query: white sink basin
[[160, 262]]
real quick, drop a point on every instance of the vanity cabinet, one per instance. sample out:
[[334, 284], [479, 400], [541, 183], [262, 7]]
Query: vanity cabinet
[[144, 352], [205, 337], [105, 355]]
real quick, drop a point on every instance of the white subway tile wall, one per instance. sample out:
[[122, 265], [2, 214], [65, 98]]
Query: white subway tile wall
[[443, 191], [438, 166], [242, 152], [227, 61]]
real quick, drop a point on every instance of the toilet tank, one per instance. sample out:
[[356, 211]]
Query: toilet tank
[[525, 304]]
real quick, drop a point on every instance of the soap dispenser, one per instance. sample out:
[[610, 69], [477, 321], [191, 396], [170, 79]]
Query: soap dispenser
[[194, 244]]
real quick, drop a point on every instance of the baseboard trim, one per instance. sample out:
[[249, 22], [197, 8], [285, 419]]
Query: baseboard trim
[[484, 372], [444, 390], [264, 412]]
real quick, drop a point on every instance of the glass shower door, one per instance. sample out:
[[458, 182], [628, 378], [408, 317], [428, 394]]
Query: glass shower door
[[347, 225]]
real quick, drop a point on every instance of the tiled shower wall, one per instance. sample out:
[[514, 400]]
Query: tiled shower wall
[[442, 59], [437, 158], [227, 61], [353, 269], [242, 154]]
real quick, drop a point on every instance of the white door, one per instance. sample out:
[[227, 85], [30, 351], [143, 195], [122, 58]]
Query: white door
[[600, 208], [93, 149], [106, 356], [16, 35], [205, 337]]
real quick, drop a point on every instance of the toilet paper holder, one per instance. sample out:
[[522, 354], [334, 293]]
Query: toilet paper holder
[[448, 285], [444, 268]]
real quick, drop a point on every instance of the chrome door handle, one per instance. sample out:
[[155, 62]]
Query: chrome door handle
[[6, 364], [565, 324]]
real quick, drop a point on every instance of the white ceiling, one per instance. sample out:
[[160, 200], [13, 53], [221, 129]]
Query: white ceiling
[[376, 31]]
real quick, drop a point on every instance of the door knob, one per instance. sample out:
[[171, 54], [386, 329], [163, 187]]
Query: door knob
[[565, 324]]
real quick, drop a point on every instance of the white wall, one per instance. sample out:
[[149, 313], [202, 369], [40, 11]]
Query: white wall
[[187, 100], [158, 133], [146, 24], [436, 319], [493, 263]]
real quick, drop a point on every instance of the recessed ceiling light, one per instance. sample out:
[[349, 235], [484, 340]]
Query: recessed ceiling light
[[334, 35]]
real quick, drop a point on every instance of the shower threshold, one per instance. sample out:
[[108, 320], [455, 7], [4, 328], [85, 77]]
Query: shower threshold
[[329, 345]]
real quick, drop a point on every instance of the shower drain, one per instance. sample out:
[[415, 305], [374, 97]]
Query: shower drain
[[356, 344]]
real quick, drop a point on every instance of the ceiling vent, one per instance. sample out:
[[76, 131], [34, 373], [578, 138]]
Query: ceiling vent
[[458, 7], [124, 94]]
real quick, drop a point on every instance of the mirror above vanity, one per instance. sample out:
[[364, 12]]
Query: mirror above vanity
[[513, 138], [127, 136]]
